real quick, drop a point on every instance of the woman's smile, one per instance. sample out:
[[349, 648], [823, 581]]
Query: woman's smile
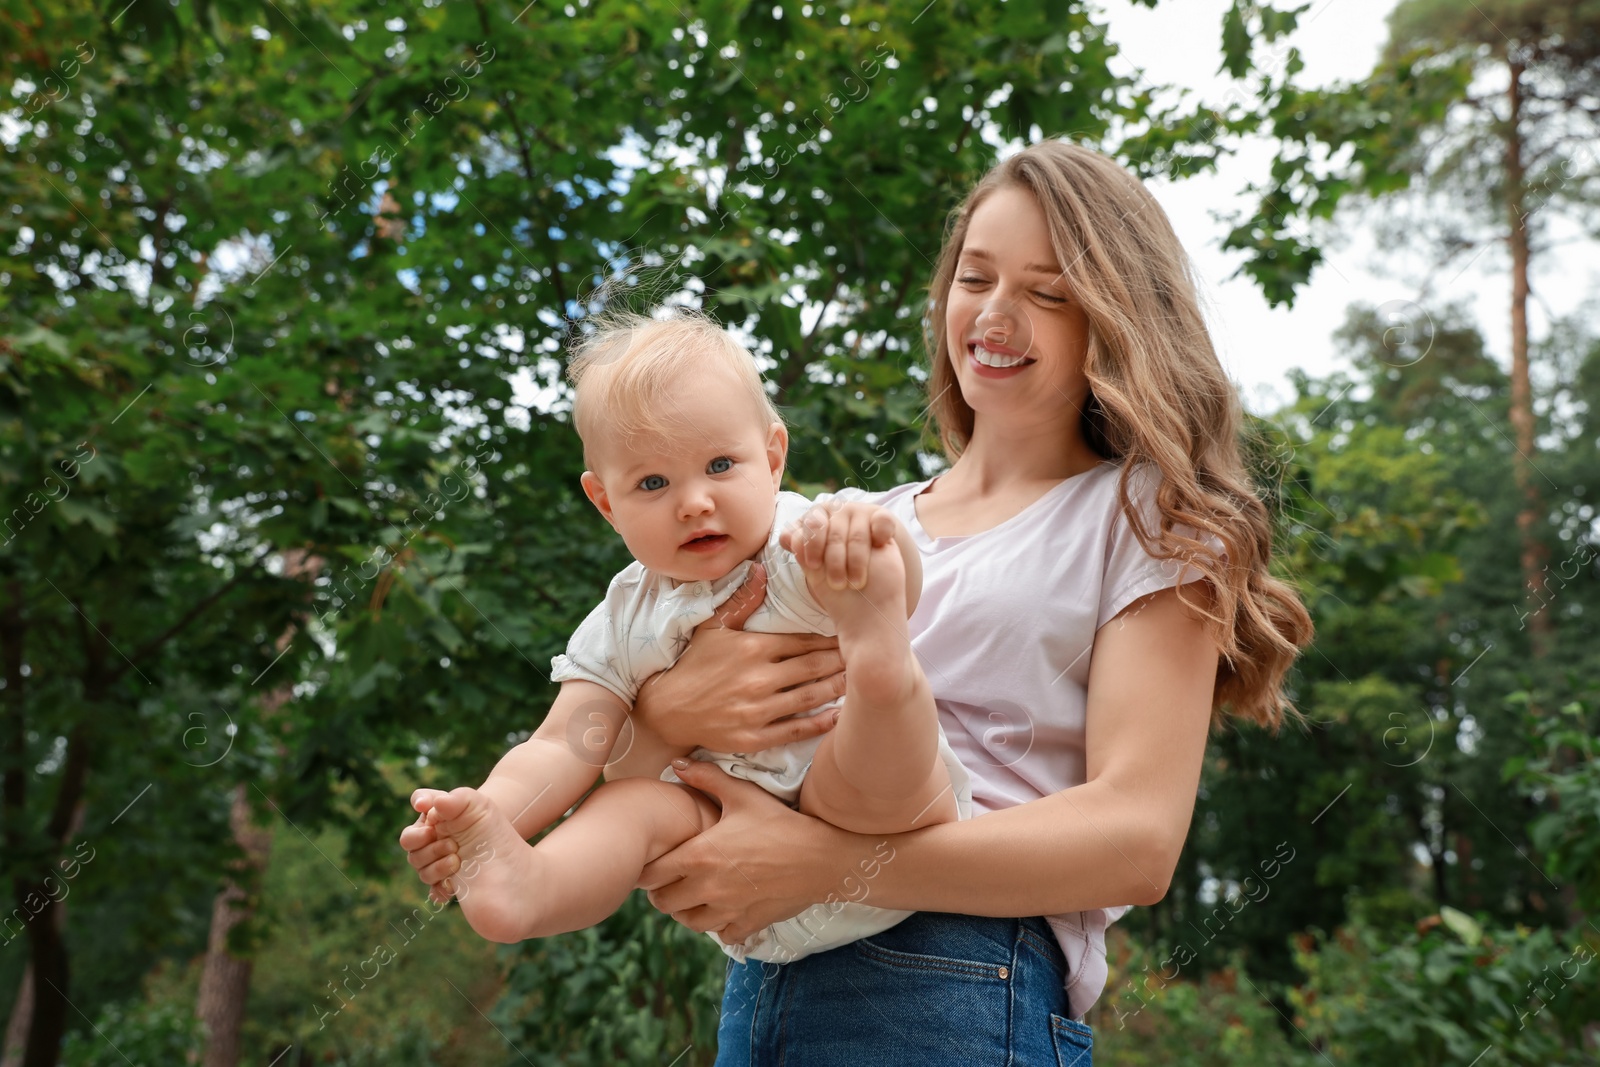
[[996, 361]]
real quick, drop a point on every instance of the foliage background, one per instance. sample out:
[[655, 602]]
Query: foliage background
[[291, 521]]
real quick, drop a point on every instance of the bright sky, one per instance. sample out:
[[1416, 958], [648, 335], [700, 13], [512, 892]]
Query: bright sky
[[1179, 43]]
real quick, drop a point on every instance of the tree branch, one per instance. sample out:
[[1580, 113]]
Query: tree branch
[[528, 172], [172, 631]]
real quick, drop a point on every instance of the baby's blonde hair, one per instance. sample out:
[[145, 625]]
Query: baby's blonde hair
[[623, 365]]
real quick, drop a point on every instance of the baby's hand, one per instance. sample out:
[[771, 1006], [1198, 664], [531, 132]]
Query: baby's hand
[[434, 856], [473, 822], [838, 537]]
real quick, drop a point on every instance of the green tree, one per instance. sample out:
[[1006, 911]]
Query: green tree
[[1483, 109], [278, 285], [169, 429], [1397, 516]]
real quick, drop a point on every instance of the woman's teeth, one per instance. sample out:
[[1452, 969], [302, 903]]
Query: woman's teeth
[[995, 359]]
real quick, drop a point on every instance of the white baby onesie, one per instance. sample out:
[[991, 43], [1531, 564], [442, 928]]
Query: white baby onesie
[[644, 624]]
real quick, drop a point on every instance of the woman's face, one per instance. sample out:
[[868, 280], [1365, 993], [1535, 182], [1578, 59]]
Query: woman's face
[[1017, 339]]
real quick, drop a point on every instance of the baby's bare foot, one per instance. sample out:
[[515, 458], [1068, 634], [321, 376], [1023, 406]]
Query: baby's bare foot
[[498, 869]]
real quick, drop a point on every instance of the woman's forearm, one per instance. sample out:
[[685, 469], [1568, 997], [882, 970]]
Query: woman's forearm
[[1112, 841], [1081, 848]]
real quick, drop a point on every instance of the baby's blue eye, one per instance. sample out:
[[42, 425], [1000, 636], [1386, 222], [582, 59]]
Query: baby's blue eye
[[652, 482], [720, 465]]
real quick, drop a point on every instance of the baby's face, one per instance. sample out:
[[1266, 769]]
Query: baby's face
[[695, 505]]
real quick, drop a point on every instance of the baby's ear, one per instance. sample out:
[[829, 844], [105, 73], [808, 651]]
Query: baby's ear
[[777, 450], [595, 490]]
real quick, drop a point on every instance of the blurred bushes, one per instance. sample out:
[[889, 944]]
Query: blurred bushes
[[638, 988]]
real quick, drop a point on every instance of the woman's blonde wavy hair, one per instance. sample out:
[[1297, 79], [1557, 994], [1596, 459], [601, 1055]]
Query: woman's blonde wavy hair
[[1157, 393]]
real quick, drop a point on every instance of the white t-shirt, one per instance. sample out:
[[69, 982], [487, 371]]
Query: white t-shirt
[[1004, 632]]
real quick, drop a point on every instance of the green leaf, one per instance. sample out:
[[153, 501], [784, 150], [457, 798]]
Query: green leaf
[[1462, 925], [75, 512]]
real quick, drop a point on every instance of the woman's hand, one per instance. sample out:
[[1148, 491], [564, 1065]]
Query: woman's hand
[[729, 688], [762, 862]]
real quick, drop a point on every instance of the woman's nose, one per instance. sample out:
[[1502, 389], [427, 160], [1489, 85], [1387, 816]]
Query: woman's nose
[[1001, 321]]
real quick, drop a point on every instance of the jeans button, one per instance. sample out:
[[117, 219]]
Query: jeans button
[[1004, 972]]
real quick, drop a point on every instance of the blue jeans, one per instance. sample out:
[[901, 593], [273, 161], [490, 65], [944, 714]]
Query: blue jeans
[[937, 989]]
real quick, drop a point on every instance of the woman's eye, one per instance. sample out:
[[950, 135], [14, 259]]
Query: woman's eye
[[1051, 298], [652, 482], [720, 465], [970, 279]]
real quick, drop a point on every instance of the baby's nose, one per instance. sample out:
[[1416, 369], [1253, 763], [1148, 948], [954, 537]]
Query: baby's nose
[[696, 502]]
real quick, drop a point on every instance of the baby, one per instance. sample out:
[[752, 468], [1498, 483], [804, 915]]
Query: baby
[[685, 454]]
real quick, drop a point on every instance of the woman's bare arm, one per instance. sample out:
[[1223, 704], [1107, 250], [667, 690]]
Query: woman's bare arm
[[1113, 840]]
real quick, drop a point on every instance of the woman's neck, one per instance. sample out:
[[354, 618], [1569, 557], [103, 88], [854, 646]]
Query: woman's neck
[[1002, 458]]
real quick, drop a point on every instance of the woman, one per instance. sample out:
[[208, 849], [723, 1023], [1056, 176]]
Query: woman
[[1095, 473]]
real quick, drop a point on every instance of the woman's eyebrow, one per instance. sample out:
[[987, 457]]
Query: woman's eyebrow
[[1036, 268]]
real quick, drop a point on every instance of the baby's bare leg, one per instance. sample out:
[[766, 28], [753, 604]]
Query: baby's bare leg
[[579, 873], [878, 771]]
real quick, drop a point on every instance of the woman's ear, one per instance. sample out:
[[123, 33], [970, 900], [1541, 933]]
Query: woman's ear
[[777, 451], [595, 490]]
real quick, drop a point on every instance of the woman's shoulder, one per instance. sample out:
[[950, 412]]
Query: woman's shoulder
[[1144, 482], [1088, 498], [1087, 513], [1143, 479]]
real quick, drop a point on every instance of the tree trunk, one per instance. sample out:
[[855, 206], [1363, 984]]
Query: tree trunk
[[1529, 525], [17, 1028], [46, 1023], [20, 1026], [51, 971], [14, 793], [225, 980], [51, 976], [1469, 878]]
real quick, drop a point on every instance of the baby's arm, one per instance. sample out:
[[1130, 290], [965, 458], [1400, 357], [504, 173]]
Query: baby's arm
[[583, 869], [539, 780]]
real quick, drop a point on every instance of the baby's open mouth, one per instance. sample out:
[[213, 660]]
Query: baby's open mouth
[[705, 541]]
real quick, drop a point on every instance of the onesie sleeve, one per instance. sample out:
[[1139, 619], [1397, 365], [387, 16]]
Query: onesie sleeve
[[1130, 571], [598, 650], [848, 495]]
